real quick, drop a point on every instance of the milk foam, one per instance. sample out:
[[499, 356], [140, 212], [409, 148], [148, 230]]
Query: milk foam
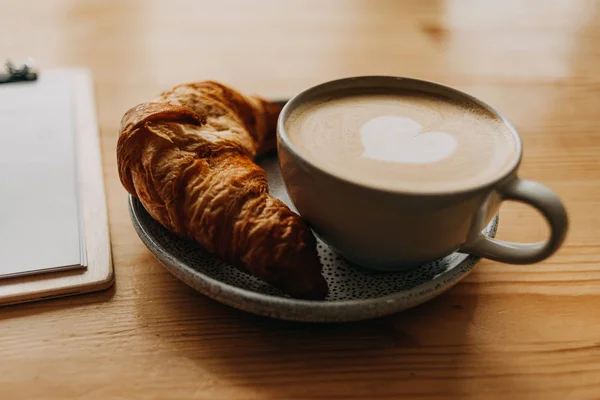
[[404, 140], [401, 140]]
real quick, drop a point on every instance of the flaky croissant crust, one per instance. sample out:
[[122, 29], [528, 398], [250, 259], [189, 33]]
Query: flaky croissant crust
[[188, 157]]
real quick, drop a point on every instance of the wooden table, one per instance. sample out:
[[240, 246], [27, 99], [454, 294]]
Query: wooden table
[[519, 331]]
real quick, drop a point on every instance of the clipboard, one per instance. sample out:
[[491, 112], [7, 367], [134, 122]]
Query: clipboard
[[98, 274]]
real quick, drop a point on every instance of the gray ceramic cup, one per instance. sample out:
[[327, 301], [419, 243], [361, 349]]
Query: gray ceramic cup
[[390, 230]]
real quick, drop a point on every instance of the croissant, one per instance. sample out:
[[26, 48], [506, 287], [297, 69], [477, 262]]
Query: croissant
[[187, 156]]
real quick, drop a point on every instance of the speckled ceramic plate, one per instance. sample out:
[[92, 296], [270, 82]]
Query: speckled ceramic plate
[[355, 294]]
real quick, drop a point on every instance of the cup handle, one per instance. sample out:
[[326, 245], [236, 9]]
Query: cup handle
[[537, 196]]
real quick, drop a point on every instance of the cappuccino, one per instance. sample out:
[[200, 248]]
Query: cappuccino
[[403, 140]]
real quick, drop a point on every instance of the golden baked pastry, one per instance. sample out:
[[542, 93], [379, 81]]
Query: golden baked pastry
[[188, 157]]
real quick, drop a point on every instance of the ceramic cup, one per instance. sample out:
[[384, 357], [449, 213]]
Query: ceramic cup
[[391, 230]]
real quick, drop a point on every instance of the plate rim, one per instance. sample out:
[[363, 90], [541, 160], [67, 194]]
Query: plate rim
[[292, 309]]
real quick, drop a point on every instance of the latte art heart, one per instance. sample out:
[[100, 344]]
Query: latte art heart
[[401, 140]]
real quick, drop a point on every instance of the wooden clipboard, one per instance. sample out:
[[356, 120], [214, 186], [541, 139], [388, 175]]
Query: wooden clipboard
[[99, 272]]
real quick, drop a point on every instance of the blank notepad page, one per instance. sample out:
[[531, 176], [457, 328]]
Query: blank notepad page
[[39, 217]]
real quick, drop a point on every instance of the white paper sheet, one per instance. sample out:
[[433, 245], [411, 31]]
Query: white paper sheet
[[39, 216]]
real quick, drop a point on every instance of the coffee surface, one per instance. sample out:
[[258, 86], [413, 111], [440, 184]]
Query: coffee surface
[[403, 140]]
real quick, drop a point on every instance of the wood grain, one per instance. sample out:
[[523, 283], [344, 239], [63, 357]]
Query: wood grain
[[526, 332]]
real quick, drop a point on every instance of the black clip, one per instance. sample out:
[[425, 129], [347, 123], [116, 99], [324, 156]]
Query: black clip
[[14, 74]]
